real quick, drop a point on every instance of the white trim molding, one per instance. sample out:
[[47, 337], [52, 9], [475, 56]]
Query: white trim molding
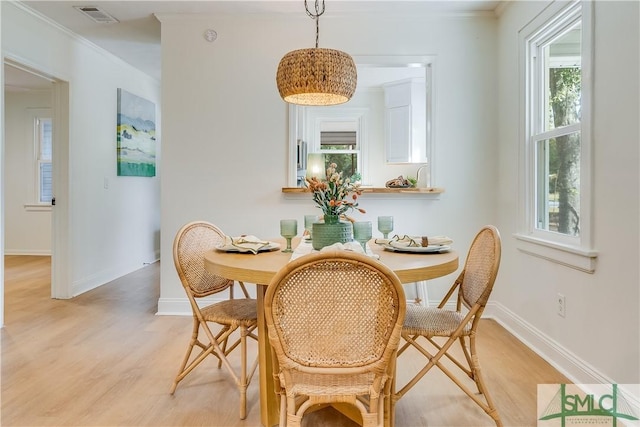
[[29, 252], [569, 256], [37, 207], [182, 306]]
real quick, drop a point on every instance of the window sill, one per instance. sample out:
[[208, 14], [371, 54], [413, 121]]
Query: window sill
[[569, 256], [37, 207], [375, 190]]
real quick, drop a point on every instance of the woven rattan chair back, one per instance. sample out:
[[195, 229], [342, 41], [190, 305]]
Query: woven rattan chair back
[[481, 267], [334, 322], [190, 244], [189, 247]]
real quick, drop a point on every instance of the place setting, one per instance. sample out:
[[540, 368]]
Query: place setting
[[247, 244], [423, 244]]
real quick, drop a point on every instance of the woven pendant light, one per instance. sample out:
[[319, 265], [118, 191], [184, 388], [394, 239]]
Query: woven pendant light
[[316, 76]]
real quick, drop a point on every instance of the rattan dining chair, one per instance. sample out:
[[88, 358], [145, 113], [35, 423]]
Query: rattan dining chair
[[334, 321], [473, 286], [189, 246]]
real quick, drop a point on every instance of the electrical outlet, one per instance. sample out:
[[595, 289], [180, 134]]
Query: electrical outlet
[[562, 305]]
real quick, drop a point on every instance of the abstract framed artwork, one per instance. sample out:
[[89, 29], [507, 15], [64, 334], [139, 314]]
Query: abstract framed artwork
[[136, 135]]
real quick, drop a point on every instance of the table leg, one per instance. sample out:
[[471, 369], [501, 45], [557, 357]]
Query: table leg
[[269, 402]]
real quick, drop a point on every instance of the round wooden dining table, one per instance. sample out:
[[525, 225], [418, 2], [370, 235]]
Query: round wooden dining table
[[259, 269]]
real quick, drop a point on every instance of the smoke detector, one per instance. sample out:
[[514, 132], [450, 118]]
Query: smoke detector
[[96, 14]]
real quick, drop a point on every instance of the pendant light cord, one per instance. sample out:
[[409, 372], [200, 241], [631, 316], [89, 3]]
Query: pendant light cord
[[315, 16]]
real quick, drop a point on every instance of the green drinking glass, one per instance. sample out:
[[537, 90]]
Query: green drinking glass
[[385, 225], [288, 230], [362, 233], [308, 224]]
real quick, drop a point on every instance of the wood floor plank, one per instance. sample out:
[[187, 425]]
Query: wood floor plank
[[105, 359]]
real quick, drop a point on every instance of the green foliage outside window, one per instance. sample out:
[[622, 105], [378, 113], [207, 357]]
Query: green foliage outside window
[[564, 151]]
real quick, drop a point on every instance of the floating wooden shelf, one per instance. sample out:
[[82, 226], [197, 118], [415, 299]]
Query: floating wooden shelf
[[378, 190]]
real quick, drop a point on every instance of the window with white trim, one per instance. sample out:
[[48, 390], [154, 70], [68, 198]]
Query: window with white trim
[[338, 135], [557, 148], [340, 146], [44, 179]]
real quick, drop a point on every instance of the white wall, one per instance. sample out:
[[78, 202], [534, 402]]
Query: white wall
[[598, 340], [112, 231], [225, 126], [27, 232]]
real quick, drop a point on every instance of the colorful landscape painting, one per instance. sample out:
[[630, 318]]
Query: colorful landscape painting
[[136, 135]]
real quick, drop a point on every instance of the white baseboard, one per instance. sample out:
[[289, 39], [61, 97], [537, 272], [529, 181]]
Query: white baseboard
[[103, 277], [568, 363], [36, 252], [173, 307], [181, 306]]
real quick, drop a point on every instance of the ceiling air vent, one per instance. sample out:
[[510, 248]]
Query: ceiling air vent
[[96, 14]]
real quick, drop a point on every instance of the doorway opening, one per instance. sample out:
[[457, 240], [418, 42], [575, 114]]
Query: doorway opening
[[35, 170]]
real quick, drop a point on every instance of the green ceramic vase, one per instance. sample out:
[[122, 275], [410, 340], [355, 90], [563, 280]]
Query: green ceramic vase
[[331, 231]]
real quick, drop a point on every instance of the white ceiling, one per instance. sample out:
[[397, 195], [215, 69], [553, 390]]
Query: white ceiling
[[136, 37]]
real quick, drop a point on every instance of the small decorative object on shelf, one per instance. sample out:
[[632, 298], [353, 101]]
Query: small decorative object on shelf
[[399, 182], [334, 196]]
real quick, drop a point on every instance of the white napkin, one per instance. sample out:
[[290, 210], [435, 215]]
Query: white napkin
[[418, 241], [305, 248], [349, 246], [250, 243]]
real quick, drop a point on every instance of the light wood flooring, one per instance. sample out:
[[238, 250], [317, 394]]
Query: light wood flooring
[[105, 359]]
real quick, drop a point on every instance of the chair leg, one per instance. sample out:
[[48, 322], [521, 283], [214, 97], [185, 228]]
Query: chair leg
[[466, 369], [474, 369], [242, 385], [283, 409], [218, 347], [465, 350], [194, 340], [491, 409], [487, 406], [294, 418], [433, 361], [222, 343]]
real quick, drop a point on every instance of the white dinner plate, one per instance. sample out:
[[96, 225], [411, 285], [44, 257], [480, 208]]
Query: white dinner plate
[[272, 246], [433, 249]]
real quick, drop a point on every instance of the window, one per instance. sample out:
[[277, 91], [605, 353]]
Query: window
[[336, 135], [341, 148], [556, 133], [43, 151]]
